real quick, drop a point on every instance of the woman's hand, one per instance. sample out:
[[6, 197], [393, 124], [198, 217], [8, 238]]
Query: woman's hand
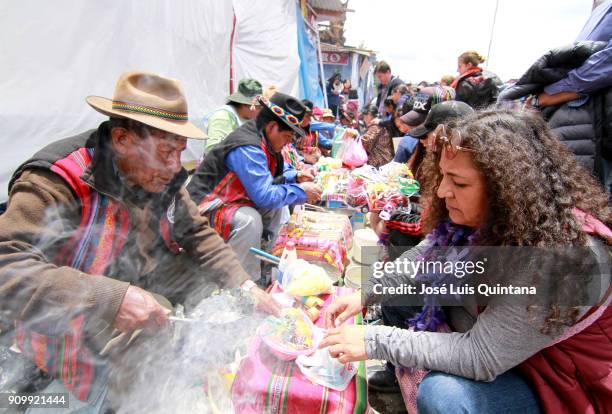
[[343, 308], [347, 343], [377, 224]]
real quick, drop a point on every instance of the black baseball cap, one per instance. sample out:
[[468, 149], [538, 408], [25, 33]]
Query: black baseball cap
[[440, 114], [424, 100]]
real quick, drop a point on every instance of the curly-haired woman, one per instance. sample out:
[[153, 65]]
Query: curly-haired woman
[[499, 178]]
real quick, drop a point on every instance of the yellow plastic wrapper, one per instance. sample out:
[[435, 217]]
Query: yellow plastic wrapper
[[327, 163], [305, 279]]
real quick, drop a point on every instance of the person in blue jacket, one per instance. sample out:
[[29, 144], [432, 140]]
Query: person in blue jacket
[[243, 184]]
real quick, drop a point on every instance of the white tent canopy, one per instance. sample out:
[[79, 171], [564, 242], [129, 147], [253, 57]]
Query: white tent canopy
[[56, 53]]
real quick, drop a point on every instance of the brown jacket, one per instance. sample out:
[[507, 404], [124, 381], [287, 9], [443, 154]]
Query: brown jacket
[[43, 213], [379, 145]]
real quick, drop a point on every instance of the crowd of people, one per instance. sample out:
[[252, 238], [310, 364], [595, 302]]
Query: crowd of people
[[106, 232]]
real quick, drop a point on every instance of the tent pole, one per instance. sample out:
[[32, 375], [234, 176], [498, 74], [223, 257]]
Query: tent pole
[[323, 86], [491, 37], [231, 68]]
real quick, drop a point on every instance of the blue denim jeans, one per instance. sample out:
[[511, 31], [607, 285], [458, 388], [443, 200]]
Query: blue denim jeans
[[445, 393]]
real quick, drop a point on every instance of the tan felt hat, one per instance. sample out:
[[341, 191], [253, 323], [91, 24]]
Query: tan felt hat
[[152, 99]]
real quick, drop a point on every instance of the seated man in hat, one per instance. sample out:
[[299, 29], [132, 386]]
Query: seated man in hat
[[100, 236], [243, 184], [241, 106]]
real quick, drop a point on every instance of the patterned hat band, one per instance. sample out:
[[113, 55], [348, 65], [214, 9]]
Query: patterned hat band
[[278, 111], [147, 110], [281, 113]]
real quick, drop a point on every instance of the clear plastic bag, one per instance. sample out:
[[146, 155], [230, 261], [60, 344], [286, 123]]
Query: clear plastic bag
[[356, 194], [347, 138], [337, 141], [305, 279], [322, 369]]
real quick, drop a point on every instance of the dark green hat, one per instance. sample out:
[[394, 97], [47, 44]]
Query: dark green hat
[[248, 90]]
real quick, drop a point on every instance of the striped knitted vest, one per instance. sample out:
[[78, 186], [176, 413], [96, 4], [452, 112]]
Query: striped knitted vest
[[63, 353]]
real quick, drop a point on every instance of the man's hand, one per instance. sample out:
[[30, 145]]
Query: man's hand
[[313, 192], [264, 301], [140, 310], [312, 155], [304, 176], [347, 343]]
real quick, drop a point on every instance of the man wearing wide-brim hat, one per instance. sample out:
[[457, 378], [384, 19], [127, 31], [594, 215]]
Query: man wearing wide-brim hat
[[243, 184], [241, 106], [97, 223]]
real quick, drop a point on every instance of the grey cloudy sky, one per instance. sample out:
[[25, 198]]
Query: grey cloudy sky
[[421, 39]]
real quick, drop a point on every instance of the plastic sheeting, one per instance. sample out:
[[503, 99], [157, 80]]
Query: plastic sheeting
[[56, 53], [265, 44]]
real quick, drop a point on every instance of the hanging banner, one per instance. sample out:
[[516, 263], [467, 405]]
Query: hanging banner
[[310, 88], [335, 58]]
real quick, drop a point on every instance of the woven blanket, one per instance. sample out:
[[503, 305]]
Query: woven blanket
[[265, 384]]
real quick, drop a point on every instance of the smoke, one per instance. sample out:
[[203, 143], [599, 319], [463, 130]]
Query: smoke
[[179, 369], [184, 368]]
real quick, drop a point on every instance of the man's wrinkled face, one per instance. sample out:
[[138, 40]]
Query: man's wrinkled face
[[278, 138], [150, 161]]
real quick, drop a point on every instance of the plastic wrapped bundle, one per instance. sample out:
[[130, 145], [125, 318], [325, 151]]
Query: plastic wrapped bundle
[[322, 238], [290, 335]]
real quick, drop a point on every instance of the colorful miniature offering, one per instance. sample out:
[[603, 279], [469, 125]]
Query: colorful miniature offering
[[290, 335]]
